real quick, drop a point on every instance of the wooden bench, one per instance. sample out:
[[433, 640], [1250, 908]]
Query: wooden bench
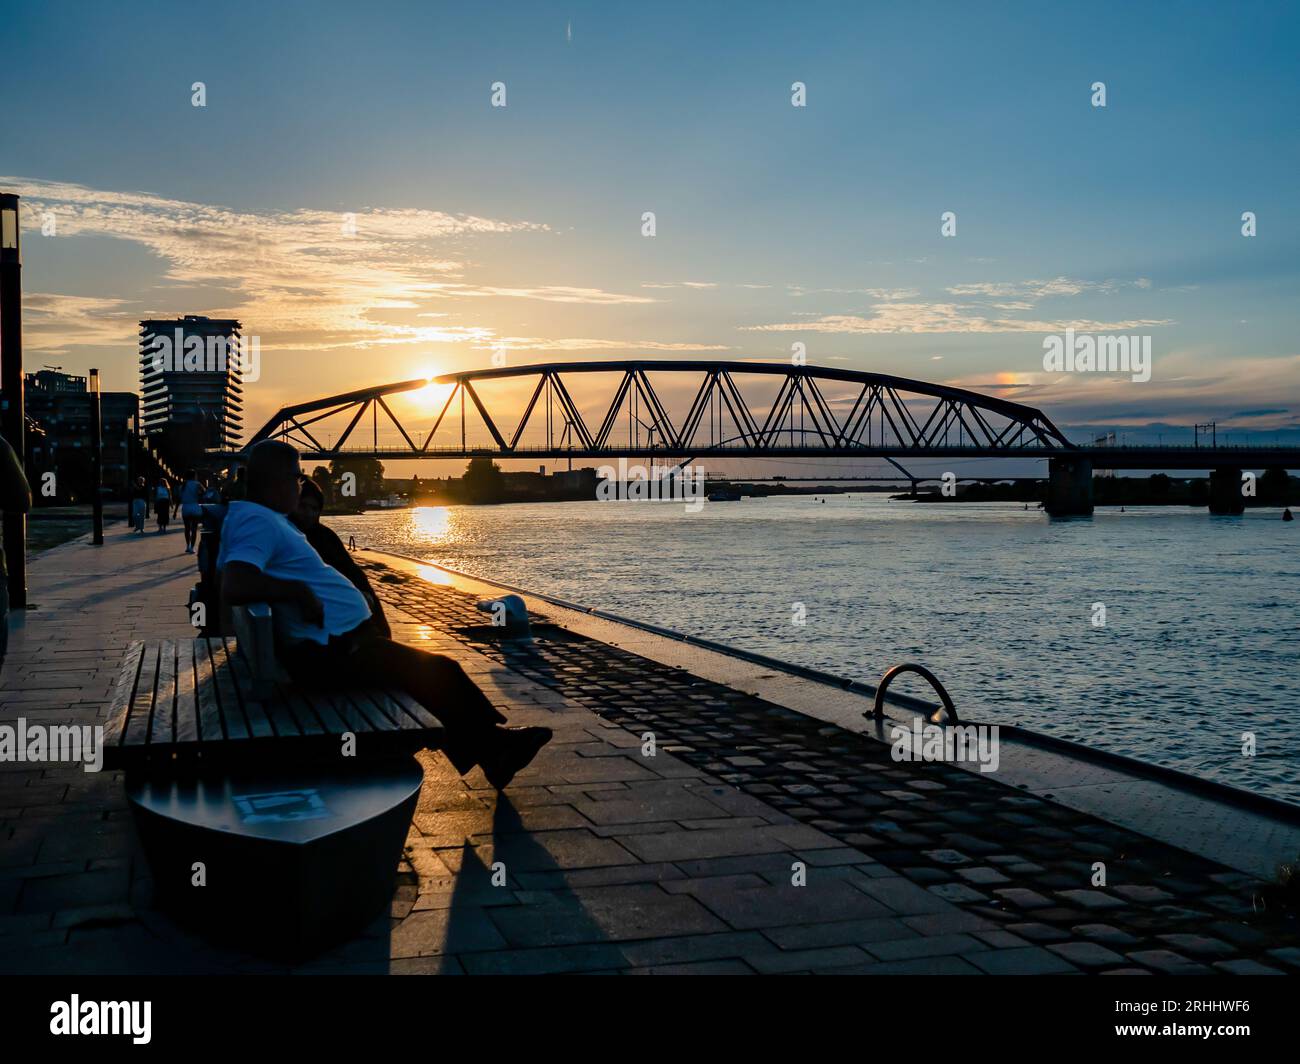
[[241, 780], [187, 703]]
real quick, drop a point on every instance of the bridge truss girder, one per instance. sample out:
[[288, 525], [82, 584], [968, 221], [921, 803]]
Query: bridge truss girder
[[885, 415]]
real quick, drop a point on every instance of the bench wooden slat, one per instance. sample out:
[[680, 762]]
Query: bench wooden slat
[[137, 727], [329, 716], [163, 728], [259, 725], [422, 717], [303, 709], [119, 712], [187, 706], [211, 726], [380, 717], [277, 711], [347, 710], [394, 709], [232, 709], [374, 712]]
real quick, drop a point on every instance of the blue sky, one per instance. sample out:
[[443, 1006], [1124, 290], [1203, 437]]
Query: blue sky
[[520, 226]]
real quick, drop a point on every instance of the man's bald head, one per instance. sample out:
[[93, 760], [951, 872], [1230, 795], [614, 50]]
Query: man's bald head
[[273, 473]]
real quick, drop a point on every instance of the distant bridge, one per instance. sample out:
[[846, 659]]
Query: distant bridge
[[807, 412], [783, 411], [880, 416]]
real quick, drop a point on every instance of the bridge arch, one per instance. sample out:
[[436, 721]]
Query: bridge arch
[[877, 415]]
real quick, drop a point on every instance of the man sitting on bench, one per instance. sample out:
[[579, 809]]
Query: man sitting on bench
[[325, 636]]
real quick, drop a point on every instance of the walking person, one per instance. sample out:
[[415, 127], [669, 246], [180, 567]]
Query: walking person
[[139, 504], [191, 508], [162, 504]]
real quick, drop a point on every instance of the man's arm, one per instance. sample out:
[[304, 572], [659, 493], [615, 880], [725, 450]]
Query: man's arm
[[242, 583], [327, 544]]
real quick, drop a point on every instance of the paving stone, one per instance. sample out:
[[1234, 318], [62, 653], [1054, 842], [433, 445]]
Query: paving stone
[[917, 966], [1246, 967], [1022, 899], [596, 914], [1289, 955], [696, 968], [904, 898], [984, 876], [546, 961], [601, 877], [724, 842], [1000, 939], [947, 923], [682, 806], [930, 946], [1111, 936], [828, 959], [771, 906], [1198, 945], [839, 933], [1028, 960], [1141, 892], [1086, 954], [1167, 962], [692, 948], [957, 893], [441, 931], [74, 891], [543, 850], [1090, 899]]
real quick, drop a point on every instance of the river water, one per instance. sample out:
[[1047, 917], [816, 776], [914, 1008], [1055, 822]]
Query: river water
[[1200, 642]]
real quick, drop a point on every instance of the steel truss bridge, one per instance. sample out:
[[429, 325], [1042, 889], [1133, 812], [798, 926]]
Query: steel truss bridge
[[640, 410]]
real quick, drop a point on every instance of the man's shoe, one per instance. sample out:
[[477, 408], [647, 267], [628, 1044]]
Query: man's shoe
[[516, 748]]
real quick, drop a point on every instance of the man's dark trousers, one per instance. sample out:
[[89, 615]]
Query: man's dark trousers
[[364, 658]]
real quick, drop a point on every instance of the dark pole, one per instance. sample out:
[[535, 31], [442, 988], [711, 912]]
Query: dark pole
[[128, 435], [13, 416], [96, 459]]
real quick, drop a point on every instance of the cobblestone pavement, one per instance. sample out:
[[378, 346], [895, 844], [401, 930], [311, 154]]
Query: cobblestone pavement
[[1020, 865], [613, 861]]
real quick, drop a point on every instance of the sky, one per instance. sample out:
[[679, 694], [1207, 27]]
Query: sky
[[350, 193]]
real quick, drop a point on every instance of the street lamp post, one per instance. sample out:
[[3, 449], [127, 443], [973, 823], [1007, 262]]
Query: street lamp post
[[13, 415], [96, 460]]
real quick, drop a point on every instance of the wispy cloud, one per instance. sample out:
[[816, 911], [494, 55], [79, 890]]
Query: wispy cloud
[[547, 293], [897, 310], [1241, 393], [1033, 291], [887, 294], [946, 318], [53, 323], [532, 343], [323, 277]]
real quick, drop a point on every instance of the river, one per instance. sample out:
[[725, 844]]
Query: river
[[1162, 633]]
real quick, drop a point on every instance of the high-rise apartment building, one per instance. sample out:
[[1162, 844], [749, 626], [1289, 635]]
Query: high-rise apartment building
[[191, 393]]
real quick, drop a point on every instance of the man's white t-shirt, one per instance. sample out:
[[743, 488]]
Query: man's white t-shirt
[[261, 537]]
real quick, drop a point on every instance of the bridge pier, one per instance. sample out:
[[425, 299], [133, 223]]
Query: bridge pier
[[1225, 491], [1069, 487]]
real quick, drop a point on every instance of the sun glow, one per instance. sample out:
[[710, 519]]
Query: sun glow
[[431, 394]]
